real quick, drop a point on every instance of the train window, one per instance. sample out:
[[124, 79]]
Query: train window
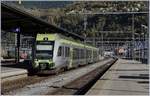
[[63, 51], [88, 54], [59, 51], [67, 51], [75, 53], [79, 54], [82, 53]]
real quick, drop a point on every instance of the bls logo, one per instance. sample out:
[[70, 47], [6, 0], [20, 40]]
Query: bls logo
[[45, 39]]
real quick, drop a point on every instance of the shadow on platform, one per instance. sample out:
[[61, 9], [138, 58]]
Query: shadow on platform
[[134, 77], [128, 69], [143, 82], [128, 91]]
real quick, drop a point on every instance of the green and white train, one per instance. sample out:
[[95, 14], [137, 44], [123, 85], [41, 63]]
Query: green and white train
[[55, 52]]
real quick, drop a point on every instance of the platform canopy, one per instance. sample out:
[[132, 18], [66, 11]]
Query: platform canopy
[[14, 19]]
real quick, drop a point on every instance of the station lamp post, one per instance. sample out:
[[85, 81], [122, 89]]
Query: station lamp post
[[133, 37], [17, 43], [85, 25], [102, 44]]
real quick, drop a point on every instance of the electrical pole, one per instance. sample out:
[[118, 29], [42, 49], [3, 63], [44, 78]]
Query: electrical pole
[[85, 26], [102, 43], [133, 36]]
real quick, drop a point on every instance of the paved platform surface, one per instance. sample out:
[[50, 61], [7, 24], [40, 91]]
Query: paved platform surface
[[8, 73], [125, 77]]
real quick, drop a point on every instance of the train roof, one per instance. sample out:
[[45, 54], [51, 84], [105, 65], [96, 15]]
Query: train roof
[[63, 39]]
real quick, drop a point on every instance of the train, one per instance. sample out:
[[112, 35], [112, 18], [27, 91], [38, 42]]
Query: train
[[54, 52]]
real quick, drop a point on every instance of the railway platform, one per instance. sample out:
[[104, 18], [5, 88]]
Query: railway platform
[[9, 73], [125, 77]]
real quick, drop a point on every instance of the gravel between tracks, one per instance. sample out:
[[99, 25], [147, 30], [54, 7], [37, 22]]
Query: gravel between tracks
[[51, 84], [20, 83]]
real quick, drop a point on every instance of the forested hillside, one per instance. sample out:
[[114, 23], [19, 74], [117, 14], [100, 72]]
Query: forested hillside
[[68, 15], [71, 18]]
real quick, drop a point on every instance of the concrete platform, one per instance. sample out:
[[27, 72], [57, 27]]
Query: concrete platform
[[8, 73], [10, 61], [125, 77]]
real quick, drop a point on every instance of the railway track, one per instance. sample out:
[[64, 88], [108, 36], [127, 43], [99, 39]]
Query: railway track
[[54, 84], [19, 83], [81, 85]]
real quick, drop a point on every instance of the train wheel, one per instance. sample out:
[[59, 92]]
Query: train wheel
[[65, 69], [57, 71]]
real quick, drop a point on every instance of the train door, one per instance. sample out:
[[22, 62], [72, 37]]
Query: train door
[[92, 56], [71, 58]]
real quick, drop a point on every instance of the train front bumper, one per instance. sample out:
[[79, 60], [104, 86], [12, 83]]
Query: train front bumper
[[44, 64]]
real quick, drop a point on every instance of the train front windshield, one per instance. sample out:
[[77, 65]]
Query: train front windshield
[[44, 49]]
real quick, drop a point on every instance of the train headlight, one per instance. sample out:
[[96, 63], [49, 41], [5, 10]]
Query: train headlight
[[36, 63]]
